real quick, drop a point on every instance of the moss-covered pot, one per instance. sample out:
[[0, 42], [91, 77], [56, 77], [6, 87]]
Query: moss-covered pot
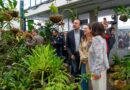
[[123, 18], [56, 18]]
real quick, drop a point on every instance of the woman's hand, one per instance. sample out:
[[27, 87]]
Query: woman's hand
[[84, 62], [96, 77]]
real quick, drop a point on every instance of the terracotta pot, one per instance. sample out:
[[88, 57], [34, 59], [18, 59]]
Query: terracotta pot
[[56, 18], [123, 18]]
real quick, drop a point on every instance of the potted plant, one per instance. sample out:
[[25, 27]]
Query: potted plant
[[55, 17], [5, 16], [47, 69], [8, 11], [123, 12], [119, 77]]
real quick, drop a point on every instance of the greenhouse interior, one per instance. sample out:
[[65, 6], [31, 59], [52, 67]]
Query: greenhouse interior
[[64, 44]]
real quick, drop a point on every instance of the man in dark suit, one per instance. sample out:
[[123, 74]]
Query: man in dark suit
[[57, 42], [73, 43]]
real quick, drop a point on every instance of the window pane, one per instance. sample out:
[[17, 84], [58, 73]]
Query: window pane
[[32, 2], [26, 4], [44, 0], [38, 2]]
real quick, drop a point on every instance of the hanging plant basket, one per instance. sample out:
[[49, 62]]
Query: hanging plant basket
[[14, 14], [7, 16], [123, 18], [56, 18]]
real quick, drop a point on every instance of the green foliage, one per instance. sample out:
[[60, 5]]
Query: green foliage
[[122, 10], [30, 25], [11, 50], [39, 60], [15, 79], [53, 9], [1, 4], [8, 13], [126, 65], [10, 4], [16, 53], [117, 76], [46, 31], [122, 66], [117, 59], [13, 74], [43, 63], [42, 70], [72, 13]]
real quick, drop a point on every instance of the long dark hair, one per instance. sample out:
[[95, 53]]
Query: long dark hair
[[98, 29]]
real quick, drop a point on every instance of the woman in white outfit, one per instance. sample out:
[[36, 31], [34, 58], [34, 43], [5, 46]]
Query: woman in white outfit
[[98, 61]]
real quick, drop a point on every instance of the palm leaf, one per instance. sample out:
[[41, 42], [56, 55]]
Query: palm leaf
[[15, 3], [2, 3], [10, 4]]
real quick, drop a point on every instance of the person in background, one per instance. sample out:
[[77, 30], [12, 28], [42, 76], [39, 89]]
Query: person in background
[[84, 47], [0, 34], [65, 38], [37, 38], [105, 23], [120, 42], [111, 40], [34, 39], [126, 40], [62, 34], [29, 41], [57, 42], [98, 60], [73, 44], [107, 33], [65, 53]]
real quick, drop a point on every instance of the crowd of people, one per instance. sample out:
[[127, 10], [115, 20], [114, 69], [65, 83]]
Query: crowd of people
[[86, 51], [124, 40]]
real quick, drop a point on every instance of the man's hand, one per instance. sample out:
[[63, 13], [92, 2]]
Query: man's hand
[[65, 47], [84, 62], [72, 57], [54, 42]]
